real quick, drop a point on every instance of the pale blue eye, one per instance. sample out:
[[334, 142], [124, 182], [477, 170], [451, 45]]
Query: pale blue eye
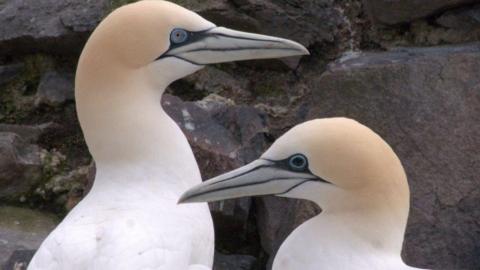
[[178, 36], [298, 162]]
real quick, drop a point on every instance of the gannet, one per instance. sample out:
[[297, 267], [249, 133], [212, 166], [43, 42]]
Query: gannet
[[351, 173], [130, 219]]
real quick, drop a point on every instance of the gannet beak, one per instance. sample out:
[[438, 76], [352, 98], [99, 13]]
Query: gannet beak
[[261, 177], [219, 44]]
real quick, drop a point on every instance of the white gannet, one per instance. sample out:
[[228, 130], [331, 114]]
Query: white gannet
[[130, 219], [351, 173]]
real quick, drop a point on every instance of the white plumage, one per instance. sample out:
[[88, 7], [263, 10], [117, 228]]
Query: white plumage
[[346, 169], [130, 219]]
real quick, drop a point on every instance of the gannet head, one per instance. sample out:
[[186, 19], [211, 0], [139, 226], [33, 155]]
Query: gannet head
[[173, 41], [333, 162], [133, 55]]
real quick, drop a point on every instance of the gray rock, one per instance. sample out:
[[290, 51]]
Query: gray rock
[[55, 89], [9, 72], [425, 103], [278, 217], [223, 137], [19, 260], [28, 133], [69, 188], [462, 19], [58, 27], [211, 80], [22, 229], [307, 22], [401, 11], [221, 133], [20, 165], [234, 262]]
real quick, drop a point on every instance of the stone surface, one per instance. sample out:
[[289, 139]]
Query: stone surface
[[425, 103], [20, 165], [22, 229], [55, 89], [401, 11], [9, 72], [223, 137], [58, 27], [467, 18], [292, 213], [211, 80], [28, 133], [234, 262], [304, 21], [67, 189], [222, 134], [19, 260]]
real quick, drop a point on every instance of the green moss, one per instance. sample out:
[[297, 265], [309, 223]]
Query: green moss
[[186, 91], [42, 195], [17, 96], [266, 89], [26, 220], [35, 66]]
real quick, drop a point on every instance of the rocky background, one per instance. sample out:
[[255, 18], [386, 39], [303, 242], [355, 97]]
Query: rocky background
[[409, 69]]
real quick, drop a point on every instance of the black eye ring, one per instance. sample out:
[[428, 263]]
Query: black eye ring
[[298, 162], [178, 36]]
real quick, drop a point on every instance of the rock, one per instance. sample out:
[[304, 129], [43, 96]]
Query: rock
[[403, 11], [424, 102], [19, 260], [234, 262], [28, 133], [462, 19], [278, 217], [21, 231], [223, 137], [306, 22], [20, 165], [57, 27], [69, 188], [303, 21], [9, 72], [211, 80], [55, 89]]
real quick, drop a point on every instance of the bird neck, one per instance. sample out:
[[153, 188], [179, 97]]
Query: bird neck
[[378, 227], [126, 128], [376, 219]]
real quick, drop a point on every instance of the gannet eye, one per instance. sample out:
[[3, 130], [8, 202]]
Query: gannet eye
[[298, 162], [178, 36]]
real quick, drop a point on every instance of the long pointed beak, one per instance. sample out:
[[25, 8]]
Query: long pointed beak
[[219, 44], [261, 177]]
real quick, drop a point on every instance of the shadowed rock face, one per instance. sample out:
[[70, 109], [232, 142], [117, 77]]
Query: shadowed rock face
[[423, 101], [402, 11], [48, 25]]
